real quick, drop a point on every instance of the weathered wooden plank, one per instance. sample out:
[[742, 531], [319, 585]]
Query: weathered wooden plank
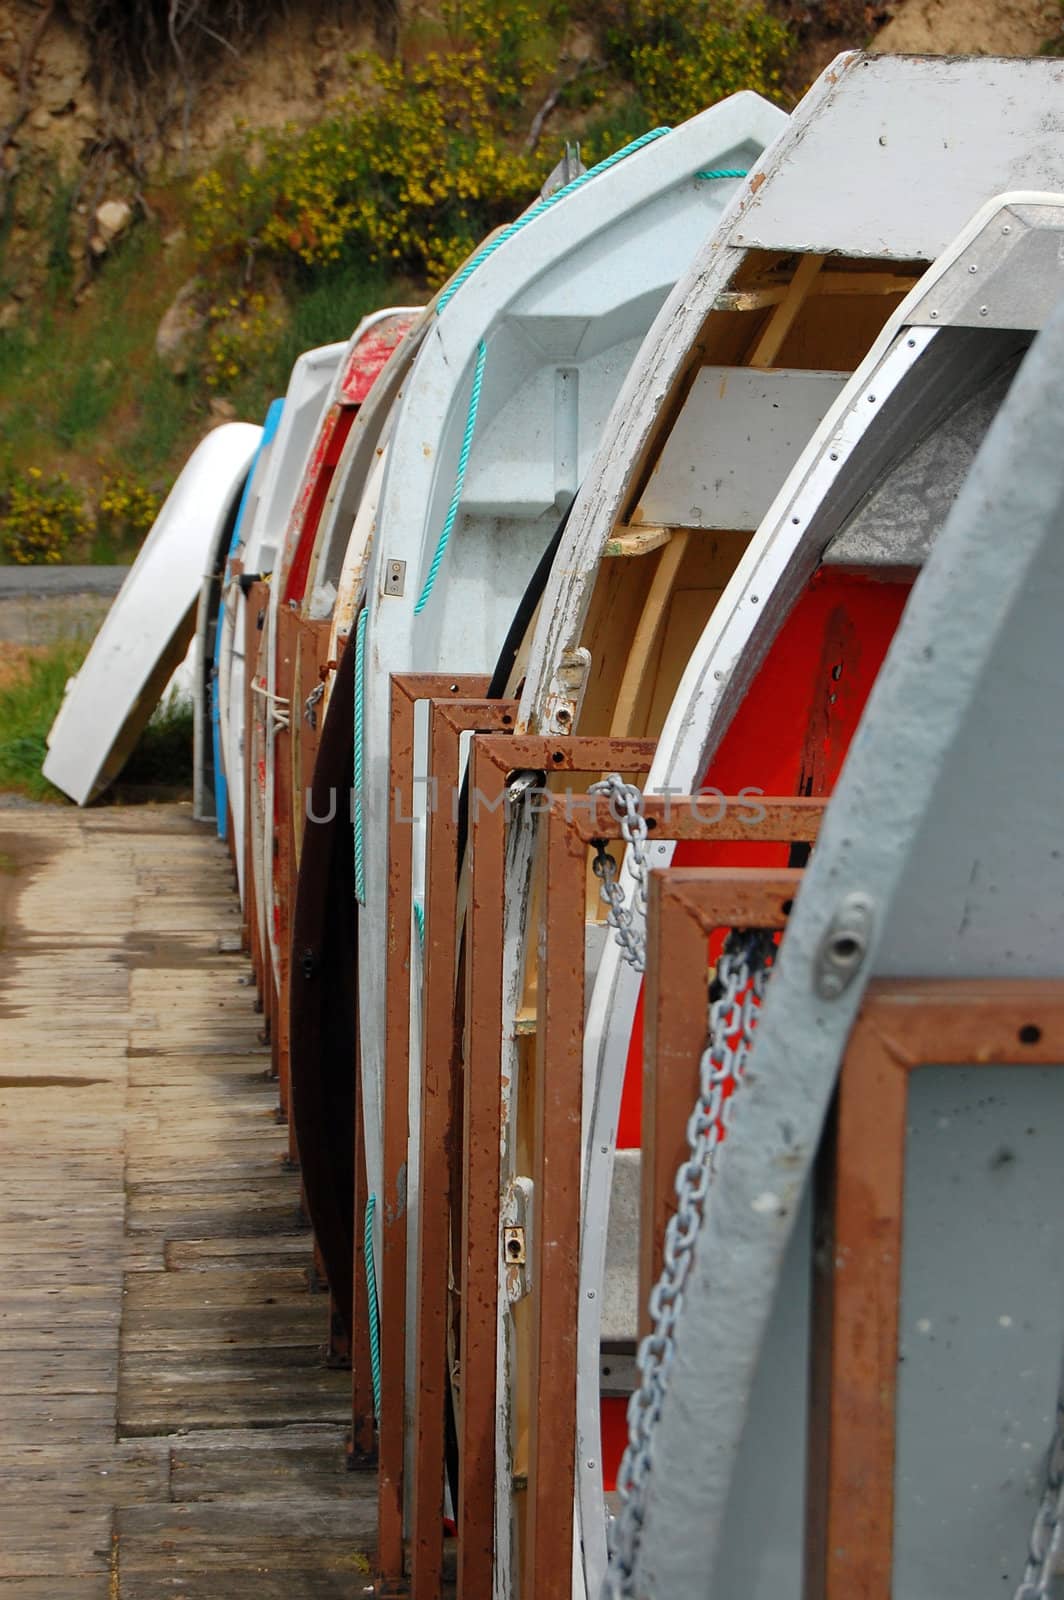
[[152, 1248], [74, 1586], [261, 1327], [272, 1251], [229, 1535]]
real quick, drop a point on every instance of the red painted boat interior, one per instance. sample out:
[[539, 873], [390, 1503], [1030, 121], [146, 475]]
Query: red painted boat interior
[[789, 737]]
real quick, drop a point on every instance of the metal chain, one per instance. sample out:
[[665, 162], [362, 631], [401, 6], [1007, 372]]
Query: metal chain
[[734, 997], [310, 704], [627, 922], [1046, 1547]]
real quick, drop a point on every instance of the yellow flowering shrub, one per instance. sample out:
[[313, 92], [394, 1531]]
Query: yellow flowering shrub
[[126, 508], [410, 175], [412, 172], [683, 55], [41, 517], [242, 331]]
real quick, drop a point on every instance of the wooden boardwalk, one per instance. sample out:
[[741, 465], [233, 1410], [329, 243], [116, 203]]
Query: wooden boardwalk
[[167, 1426]]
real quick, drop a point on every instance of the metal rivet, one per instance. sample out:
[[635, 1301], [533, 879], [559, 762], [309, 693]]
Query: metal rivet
[[795, 521], [591, 1294], [984, 311], [973, 268], [591, 1466], [753, 599], [1006, 228], [933, 315], [871, 399], [718, 676], [911, 343], [834, 455]]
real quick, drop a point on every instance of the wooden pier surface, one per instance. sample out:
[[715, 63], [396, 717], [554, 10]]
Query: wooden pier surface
[[167, 1426]]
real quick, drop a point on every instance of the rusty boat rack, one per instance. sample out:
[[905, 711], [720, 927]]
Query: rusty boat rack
[[459, 1172], [859, 1177]]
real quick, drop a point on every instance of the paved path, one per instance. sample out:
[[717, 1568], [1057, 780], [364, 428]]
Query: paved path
[[166, 1424]]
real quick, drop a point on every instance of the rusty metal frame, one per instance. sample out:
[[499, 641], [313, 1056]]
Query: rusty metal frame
[[438, 1176], [255, 601], [406, 690], [727, 895], [570, 831], [685, 905], [474, 1190], [902, 1025], [279, 866]]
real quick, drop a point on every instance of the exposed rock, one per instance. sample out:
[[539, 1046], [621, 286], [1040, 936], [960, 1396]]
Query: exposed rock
[[112, 218], [181, 323]]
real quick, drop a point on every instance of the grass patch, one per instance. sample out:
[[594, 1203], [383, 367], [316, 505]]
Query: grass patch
[[29, 700], [81, 383], [28, 704]]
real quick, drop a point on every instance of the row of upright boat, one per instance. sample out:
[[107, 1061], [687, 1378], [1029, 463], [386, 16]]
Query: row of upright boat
[[630, 687]]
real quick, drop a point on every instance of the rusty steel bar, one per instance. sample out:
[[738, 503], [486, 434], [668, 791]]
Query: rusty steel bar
[[406, 691], [902, 1024], [306, 727], [481, 1130], [738, 819], [280, 865], [256, 600], [684, 905], [440, 1069], [235, 571], [548, 1537]]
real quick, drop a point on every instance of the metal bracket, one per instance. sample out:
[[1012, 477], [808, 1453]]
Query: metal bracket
[[566, 691], [516, 1221], [394, 577], [844, 946]]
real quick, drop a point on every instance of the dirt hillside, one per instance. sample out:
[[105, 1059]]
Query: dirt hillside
[[970, 27]]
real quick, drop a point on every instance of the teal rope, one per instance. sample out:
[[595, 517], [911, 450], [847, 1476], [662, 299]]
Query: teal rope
[[459, 482], [419, 919], [360, 694], [374, 1310], [538, 209], [722, 172]]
